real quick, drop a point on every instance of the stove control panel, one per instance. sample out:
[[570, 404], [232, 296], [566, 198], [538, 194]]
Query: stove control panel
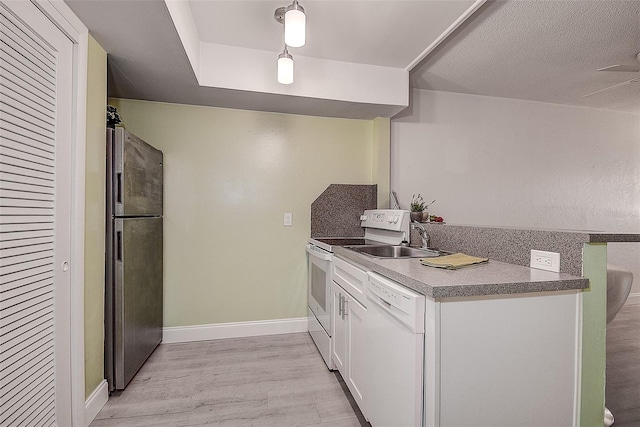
[[385, 219]]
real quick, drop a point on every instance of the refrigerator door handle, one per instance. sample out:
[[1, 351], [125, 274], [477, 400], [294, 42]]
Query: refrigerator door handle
[[119, 246], [119, 187]]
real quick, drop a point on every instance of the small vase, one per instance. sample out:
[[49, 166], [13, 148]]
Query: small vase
[[425, 216], [415, 216]]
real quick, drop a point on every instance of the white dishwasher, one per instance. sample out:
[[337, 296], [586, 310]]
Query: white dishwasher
[[395, 354]]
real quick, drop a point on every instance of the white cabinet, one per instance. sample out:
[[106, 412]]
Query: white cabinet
[[348, 334], [339, 329], [351, 278], [479, 360], [349, 341], [503, 360]]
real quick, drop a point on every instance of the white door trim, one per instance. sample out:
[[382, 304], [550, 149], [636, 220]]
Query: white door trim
[[62, 16]]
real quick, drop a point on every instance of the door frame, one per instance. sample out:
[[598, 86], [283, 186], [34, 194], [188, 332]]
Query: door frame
[[61, 15]]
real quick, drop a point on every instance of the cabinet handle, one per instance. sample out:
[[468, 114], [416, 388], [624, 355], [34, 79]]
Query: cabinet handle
[[344, 308], [339, 304]]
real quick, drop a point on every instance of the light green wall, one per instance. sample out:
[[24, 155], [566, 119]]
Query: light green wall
[[95, 218], [594, 326], [229, 177], [381, 166]]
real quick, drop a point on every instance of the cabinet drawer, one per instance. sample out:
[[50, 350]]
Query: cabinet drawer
[[351, 278]]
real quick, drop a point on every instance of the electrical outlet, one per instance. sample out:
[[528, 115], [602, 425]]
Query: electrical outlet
[[544, 260]]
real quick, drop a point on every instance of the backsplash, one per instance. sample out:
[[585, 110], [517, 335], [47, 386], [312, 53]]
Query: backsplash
[[512, 245], [336, 212]]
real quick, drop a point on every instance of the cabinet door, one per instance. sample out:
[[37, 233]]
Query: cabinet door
[[356, 352], [338, 329]]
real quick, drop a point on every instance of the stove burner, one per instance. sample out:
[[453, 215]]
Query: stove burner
[[342, 241]]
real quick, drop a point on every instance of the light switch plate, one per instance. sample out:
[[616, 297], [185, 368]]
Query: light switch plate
[[288, 219], [544, 260]]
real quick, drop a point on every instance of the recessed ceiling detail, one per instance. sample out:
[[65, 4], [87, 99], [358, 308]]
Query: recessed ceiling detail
[[345, 59], [544, 51]]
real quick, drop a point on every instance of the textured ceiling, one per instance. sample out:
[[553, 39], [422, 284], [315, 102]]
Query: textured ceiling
[[547, 51]]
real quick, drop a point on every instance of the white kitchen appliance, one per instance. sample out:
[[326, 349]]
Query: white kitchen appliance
[[394, 344], [319, 309], [387, 226]]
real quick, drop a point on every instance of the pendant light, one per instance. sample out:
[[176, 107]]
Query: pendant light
[[294, 20], [294, 25], [285, 67]]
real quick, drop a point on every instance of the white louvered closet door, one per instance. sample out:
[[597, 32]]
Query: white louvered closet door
[[35, 151]]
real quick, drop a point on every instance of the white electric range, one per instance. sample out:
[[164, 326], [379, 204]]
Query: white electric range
[[381, 226]]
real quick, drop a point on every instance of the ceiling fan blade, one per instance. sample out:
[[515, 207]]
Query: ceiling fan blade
[[623, 68], [614, 86]]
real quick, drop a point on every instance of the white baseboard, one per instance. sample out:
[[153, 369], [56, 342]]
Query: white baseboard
[[634, 299], [95, 402], [216, 331]]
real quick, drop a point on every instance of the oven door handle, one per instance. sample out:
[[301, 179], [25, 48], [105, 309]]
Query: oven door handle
[[323, 256]]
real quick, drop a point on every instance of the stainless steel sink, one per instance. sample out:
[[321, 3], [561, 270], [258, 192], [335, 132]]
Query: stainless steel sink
[[392, 251]]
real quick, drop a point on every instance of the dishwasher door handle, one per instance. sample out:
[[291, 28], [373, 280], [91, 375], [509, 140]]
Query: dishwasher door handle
[[379, 301]]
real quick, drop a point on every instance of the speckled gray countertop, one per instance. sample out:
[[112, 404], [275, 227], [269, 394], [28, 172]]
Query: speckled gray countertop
[[493, 278], [513, 245], [596, 237]]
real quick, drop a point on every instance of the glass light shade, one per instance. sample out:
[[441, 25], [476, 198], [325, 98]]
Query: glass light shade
[[285, 69], [294, 26]]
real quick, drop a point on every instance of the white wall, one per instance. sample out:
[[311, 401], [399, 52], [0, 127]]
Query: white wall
[[504, 162]]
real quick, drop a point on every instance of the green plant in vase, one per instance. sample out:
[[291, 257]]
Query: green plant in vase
[[418, 206], [113, 118]]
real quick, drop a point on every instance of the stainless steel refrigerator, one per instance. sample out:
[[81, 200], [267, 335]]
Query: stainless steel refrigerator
[[133, 292]]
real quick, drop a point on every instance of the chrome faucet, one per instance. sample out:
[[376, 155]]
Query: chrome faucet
[[423, 233]]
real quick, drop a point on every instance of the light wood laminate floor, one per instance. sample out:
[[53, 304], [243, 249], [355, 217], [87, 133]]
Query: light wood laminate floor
[[623, 367], [276, 380]]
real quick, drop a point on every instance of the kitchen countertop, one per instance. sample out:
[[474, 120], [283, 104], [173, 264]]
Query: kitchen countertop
[[513, 245], [598, 237], [493, 278]]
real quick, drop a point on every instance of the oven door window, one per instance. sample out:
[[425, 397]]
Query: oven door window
[[319, 286]]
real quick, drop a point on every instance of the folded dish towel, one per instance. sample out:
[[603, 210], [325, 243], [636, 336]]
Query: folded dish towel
[[453, 261]]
